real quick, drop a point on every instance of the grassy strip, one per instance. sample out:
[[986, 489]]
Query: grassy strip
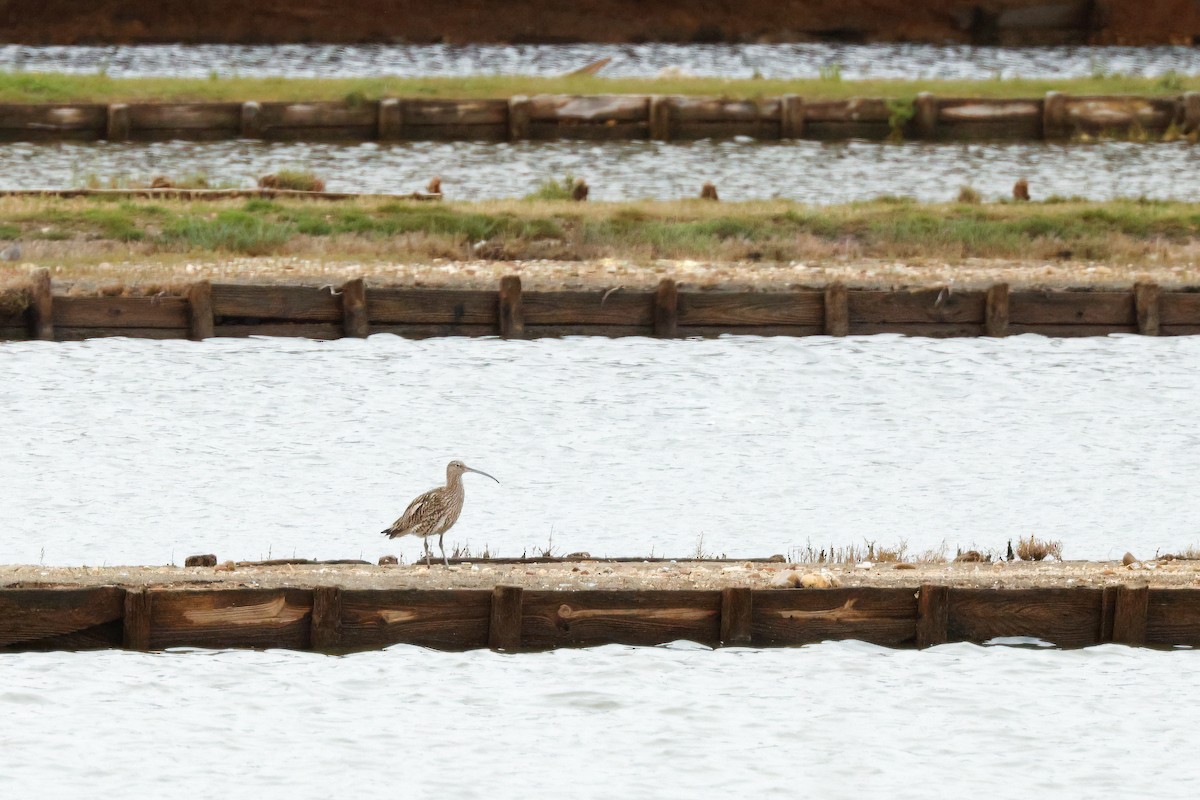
[[22, 87], [774, 230]]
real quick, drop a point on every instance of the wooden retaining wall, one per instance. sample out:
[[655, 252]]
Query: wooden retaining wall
[[1053, 117], [333, 619], [353, 310]]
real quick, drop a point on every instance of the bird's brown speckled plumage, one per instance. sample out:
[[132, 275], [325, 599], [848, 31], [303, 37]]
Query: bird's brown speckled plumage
[[435, 512]]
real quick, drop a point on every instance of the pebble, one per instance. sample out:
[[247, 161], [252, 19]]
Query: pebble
[[1128, 559], [388, 561]]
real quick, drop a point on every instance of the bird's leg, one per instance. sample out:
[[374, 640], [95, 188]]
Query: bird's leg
[[445, 560], [428, 554]]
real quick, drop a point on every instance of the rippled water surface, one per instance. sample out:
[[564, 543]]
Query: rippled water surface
[[646, 60], [137, 452], [807, 171], [837, 720]]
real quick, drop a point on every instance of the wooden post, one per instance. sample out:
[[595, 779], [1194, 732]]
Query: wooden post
[[995, 318], [737, 616], [1129, 616], [354, 309], [41, 307], [660, 118], [390, 121], [933, 615], [1054, 116], [837, 311], [200, 311], [326, 624], [666, 309], [136, 625], [117, 128], [926, 109], [518, 118], [1146, 297], [791, 117], [512, 318], [1191, 112], [251, 127], [1108, 610], [504, 628]]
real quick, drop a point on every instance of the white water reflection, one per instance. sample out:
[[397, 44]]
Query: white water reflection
[[138, 452]]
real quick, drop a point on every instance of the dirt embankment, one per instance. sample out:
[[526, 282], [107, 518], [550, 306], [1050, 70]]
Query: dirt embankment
[[275, 21]]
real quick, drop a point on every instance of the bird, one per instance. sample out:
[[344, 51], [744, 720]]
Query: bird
[[1021, 190], [579, 190], [436, 511], [708, 191]]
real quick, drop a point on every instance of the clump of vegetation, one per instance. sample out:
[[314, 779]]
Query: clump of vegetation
[[553, 189], [297, 180], [1032, 548], [900, 113], [230, 231], [968, 195], [831, 73], [13, 300]]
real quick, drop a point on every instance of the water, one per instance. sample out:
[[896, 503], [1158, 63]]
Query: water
[[902, 61], [836, 720], [139, 452], [808, 171]]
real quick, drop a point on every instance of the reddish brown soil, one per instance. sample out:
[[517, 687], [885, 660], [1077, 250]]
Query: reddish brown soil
[[262, 21]]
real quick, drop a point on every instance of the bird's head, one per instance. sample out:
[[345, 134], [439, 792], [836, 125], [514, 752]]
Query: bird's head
[[456, 468]]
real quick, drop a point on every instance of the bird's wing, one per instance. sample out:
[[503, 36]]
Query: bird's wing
[[412, 514]]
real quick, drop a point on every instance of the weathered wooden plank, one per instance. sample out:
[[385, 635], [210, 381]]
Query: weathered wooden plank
[[1146, 301], [60, 618], [843, 111], [455, 112], [1079, 308], [881, 616], [325, 632], [354, 309], [929, 330], [737, 616], [583, 618], [600, 307], [574, 129], [511, 315], [13, 333], [456, 132], [666, 309], [285, 303], [1172, 617], [1098, 114], [38, 121], [1066, 617], [1068, 331], [597, 109], [1179, 330], [995, 314], [505, 620], [230, 618], [453, 619], [429, 331], [433, 306], [150, 118], [1179, 308], [714, 331], [304, 330], [933, 615], [200, 311], [717, 109], [80, 334], [135, 633], [930, 305], [734, 309], [318, 115], [837, 310], [1131, 615], [41, 307], [764, 129], [559, 331], [121, 312], [954, 110]]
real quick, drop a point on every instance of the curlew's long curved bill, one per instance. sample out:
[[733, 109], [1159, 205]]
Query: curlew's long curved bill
[[481, 472]]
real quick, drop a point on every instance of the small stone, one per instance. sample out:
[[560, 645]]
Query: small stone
[[905, 566], [864, 565], [209, 560], [1128, 559], [580, 556], [228, 566], [388, 561]]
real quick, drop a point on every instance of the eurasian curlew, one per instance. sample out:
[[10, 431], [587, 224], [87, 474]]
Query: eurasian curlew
[[436, 511]]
